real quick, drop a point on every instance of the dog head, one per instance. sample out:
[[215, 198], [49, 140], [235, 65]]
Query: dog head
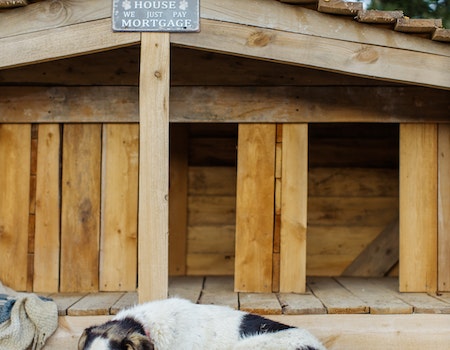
[[125, 334]]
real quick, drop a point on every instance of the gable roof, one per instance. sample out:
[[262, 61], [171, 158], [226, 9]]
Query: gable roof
[[260, 29]]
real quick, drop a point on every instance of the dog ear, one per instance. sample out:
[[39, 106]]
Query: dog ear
[[82, 341], [137, 341]]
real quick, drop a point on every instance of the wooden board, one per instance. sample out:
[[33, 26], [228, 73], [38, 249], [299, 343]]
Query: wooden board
[[294, 197], [219, 291], [301, 304], [211, 210], [212, 180], [48, 210], [260, 303], [15, 147], [336, 299], [418, 208], [94, 304], [255, 208], [80, 211], [153, 219], [444, 209], [187, 287], [119, 207], [65, 300], [127, 300], [218, 264]]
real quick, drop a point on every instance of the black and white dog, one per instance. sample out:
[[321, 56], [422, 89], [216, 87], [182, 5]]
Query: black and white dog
[[178, 324]]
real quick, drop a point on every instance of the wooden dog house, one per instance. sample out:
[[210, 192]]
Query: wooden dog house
[[302, 143]]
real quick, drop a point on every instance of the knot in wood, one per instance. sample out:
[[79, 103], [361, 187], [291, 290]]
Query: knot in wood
[[367, 55], [157, 74], [259, 39]]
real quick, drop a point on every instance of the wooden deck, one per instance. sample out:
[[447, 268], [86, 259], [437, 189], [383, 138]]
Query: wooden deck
[[340, 295]]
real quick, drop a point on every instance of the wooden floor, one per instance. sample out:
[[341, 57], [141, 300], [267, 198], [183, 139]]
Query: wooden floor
[[340, 295]]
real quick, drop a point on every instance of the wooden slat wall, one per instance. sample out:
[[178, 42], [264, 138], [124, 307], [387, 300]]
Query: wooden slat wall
[[15, 146]]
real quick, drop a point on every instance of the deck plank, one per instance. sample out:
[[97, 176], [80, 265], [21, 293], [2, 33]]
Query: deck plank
[[65, 300], [94, 304], [378, 298], [187, 287], [336, 299], [260, 303], [219, 290], [125, 301], [301, 304]]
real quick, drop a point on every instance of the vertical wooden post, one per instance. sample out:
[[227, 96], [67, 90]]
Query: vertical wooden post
[[153, 166], [294, 198], [255, 207], [418, 208], [444, 208]]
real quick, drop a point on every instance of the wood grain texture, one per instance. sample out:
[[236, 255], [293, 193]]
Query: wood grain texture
[[294, 198], [255, 207], [80, 208], [153, 219], [418, 208], [119, 207], [48, 210], [15, 149]]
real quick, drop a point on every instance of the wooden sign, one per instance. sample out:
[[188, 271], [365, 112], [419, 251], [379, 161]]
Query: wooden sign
[[156, 15]]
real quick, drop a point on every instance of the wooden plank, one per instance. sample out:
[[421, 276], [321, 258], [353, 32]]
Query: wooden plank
[[421, 302], [208, 180], [178, 193], [219, 291], [211, 239], [127, 300], [340, 7], [48, 210], [418, 208], [301, 304], [417, 25], [377, 16], [335, 297], [441, 34], [255, 208], [153, 219], [80, 211], [187, 287], [211, 210], [15, 147], [378, 258], [65, 300], [294, 197], [444, 208], [217, 264], [119, 207], [260, 303], [377, 298], [300, 104], [12, 3], [94, 304]]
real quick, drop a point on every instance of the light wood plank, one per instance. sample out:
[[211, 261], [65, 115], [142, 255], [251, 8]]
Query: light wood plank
[[127, 300], [65, 300], [294, 197], [255, 207], [301, 304], [80, 212], [339, 7], [153, 216], [15, 148], [260, 303], [119, 207], [444, 209], [218, 290], [418, 208], [178, 194], [335, 298], [187, 287], [48, 210], [211, 239], [218, 264], [94, 304]]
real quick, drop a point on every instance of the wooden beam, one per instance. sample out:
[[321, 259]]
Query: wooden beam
[[379, 256], [418, 208], [153, 219], [294, 197], [228, 104], [444, 209], [255, 208]]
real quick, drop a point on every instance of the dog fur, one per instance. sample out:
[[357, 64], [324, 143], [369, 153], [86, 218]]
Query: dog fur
[[178, 324]]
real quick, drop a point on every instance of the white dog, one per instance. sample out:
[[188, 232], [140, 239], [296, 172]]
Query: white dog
[[178, 324]]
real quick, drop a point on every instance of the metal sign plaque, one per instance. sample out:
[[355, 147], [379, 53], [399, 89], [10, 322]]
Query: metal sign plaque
[[156, 15]]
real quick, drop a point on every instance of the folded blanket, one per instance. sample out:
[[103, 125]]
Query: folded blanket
[[26, 320]]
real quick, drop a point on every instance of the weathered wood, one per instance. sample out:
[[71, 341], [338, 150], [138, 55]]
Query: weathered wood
[[340, 7], [379, 300], [228, 104], [127, 300], [441, 34], [189, 287], [211, 239], [211, 210], [255, 208], [48, 210], [178, 198], [119, 207], [294, 197], [418, 207], [12, 3], [80, 211], [377, 16], [260, 303], [417, 25], [153, 222], [218, 264], [444, 208], [15, 147], [378, 258], [219, 291], [65, 300], [336, 299], [94, 304], [212, 181], [301, 304]]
